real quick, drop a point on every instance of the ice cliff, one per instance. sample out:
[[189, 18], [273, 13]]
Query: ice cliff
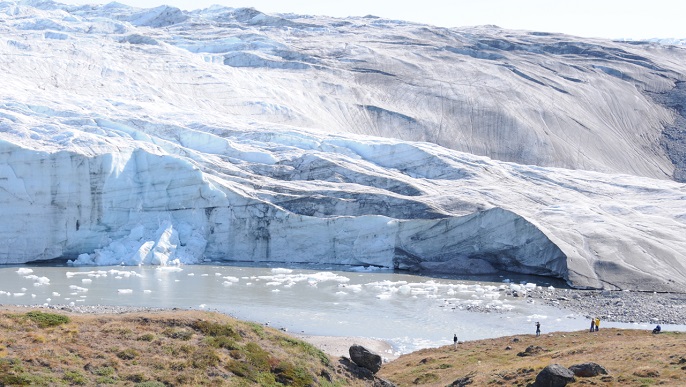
[[158, 136]]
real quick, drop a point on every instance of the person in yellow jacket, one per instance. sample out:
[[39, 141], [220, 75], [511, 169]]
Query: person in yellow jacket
[[597, 323]]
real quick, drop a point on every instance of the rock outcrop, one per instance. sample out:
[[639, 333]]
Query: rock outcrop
[[554, 375], [587, 370], [365, 358]]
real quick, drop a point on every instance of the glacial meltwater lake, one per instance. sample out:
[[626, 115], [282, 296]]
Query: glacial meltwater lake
[[408, 311]]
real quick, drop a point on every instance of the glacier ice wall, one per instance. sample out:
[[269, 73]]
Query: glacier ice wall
[[160, 136]]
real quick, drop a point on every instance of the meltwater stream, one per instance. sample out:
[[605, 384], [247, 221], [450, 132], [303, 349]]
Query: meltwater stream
[[408, 311]]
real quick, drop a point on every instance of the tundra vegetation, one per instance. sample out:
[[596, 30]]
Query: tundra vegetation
[[155, 349], [179, 347]]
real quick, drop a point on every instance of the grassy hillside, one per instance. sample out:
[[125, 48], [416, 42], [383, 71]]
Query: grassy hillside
[[203, 348], [156, 349], [631, 357]]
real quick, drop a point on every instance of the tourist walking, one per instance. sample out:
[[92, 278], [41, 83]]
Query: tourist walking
[[538, 328]]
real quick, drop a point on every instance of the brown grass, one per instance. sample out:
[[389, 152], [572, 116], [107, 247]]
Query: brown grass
[[156, 349], [632, 358]]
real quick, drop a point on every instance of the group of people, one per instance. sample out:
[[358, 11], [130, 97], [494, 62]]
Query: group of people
[[595, 325]]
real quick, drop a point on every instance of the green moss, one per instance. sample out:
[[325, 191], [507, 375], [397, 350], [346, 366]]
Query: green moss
[[150, 384], [258, 330], [426, 379], [104, 371], [290, 375], [204, 358], [179, 334], [215, 329], [222, 342], [306, 348], [45, 320], [146, 337], [105, 380], [127, 354], [256, 356], [74, 377]]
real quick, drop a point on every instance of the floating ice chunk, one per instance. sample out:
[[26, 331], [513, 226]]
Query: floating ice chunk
[[33, 296], [40, 281], [507, 280], [86, 281], [205, 275], [341, 293], [384, 296], [147, 291], [366, 269], [273, 283], [491, 296], [551, 287], [168, 268], [18, 294], [191, 274], [24, 271], [125, 291], [55, 294], [72, 303], [404, 289], [78, 288], [276, 290], [231, 279], [202, 306], [530, 286], [217, 274], [279, 270], [536, 317]]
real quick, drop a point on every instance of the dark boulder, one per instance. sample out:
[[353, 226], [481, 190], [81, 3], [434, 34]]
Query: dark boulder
[[554, 375], [358, 372], [364, 358], [531, 350], [587, 370]]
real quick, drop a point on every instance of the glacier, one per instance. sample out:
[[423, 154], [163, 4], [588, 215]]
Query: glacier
[[159, 136]]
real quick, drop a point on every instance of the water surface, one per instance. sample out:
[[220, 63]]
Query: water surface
[[409, 311]]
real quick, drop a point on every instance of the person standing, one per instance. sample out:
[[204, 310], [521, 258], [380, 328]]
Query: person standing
[[592, 324], [538, 328], [597, 324], [455, 341]]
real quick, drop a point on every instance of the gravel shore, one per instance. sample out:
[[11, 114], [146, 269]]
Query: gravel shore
[[617, 306]]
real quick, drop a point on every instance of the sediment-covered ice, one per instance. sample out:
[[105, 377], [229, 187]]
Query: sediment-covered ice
[[163, 138]]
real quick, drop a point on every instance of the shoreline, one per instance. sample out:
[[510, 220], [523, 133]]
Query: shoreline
[[335, 346], [609, 306]]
